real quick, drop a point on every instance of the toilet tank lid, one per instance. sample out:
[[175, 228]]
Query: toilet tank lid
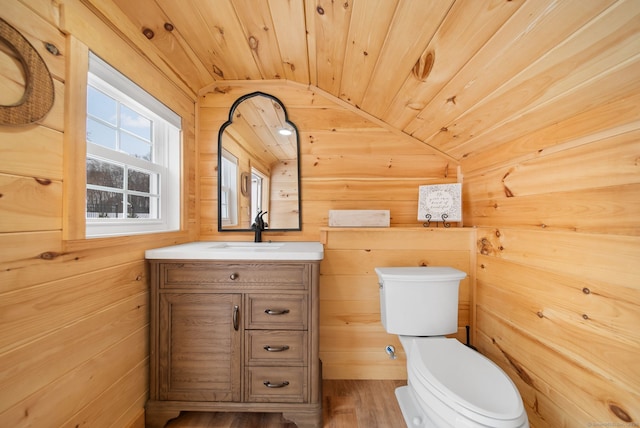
[[420, 273]]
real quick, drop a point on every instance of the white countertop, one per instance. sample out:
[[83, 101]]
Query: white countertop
[[216, 250]]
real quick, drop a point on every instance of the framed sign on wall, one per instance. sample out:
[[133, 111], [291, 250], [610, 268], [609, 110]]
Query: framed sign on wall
[[440, 202]]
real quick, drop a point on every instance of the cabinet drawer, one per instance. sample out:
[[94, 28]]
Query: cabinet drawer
[[276, 311], [284, 276], [276, 347], [276, 384]]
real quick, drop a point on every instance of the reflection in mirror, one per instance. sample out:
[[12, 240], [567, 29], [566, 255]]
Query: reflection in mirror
[[259, 166]]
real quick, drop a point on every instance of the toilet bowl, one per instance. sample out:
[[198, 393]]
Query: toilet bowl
[[451, 385], [448, 383]]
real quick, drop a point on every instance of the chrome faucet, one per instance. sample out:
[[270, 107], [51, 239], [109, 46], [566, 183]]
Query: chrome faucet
[[259, 225]]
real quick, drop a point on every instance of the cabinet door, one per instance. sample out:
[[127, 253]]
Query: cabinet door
[[199, 347]]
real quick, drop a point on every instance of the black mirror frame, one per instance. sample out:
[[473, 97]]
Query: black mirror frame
[[288, 122]]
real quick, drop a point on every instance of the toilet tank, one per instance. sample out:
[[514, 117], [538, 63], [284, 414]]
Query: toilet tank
[[419, 301]]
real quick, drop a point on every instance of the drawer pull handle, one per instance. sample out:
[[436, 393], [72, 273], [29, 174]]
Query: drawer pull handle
[[233, 276], [276, 348], [236, 316], [276, 311], [268, 384]]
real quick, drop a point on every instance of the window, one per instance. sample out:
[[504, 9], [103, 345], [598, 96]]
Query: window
[[259, 192], [228, 189], [133, 157]]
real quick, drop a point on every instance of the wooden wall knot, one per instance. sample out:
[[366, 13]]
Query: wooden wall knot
[[620, 413], [49, 255], [508, 193], [148, 33], [217, 71], [423, 66], [516, 366], [52, 49], [253, 43], [417, 106], [485, 246], [43, 181]]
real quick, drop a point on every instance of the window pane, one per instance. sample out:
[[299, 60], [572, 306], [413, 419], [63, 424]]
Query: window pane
[[101, 106], [128, 130], [135, 123], [224, 204], [141, 207], [98, 133], [101, 204], [135, 146], [139, 181], [104, 174]]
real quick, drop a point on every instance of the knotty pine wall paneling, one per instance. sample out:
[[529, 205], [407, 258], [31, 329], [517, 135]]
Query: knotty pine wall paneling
[[557, 210], [352, 338], [348, 160], [73, 312]]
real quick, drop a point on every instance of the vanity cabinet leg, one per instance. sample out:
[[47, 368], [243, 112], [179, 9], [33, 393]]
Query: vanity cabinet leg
[[158, 418], [305, 418]]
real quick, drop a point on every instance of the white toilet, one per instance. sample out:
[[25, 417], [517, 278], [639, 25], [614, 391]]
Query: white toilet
[[449, 384]]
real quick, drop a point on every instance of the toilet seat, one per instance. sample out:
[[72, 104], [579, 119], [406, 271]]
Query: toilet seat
[[461, 385]]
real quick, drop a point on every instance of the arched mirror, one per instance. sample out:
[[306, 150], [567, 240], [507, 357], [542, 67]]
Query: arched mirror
[[258, 166]]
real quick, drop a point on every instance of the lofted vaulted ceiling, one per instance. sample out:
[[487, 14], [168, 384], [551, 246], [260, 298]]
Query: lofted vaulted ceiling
[[450, 73]]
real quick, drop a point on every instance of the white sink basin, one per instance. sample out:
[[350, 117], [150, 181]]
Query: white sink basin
[[208, 250]]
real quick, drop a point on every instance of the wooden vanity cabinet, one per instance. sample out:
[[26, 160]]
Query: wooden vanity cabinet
[[234, 336]]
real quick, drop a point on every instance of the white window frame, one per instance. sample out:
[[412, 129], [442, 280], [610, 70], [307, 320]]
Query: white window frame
[[166, 154], [259, 192], [229, 189]]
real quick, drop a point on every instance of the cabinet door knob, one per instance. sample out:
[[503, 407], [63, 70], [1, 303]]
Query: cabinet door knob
[[268, 384], [233, 276], [276, 311], [276, 348]]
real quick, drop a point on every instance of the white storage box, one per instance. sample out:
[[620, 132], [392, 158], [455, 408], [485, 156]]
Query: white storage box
[[359, 218]]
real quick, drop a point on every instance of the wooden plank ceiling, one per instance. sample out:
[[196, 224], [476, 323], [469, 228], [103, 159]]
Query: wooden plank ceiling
[[450, 73]]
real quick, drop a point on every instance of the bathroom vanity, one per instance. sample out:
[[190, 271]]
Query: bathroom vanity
[[234, 327]]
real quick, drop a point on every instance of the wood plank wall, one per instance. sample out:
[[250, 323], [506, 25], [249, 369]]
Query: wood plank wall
[[349, 161], [73, 312], [556, 210], [558, 284], [352, 338]]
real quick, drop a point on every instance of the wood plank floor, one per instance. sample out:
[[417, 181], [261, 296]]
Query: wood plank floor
[[346, 404]]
